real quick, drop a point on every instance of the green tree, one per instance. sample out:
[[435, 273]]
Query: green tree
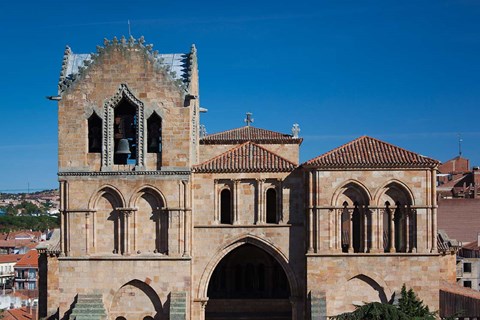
[[409, 307], [412, 306]]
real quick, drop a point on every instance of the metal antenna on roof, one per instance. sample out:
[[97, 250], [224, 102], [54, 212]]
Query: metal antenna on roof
[[460, 140], [249, 119], [129, 33]]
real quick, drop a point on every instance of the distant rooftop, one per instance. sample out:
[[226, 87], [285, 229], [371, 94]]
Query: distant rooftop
[[249, 133]]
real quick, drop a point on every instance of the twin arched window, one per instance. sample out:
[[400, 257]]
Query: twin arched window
[[226, 207]]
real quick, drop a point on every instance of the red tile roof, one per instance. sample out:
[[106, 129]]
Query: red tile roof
[[29, 260], [6, 258], [367, 152], [248, 157], [19, 314], [249, 133]]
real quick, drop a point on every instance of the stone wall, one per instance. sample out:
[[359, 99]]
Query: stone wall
[[349, 280], [145, 281]]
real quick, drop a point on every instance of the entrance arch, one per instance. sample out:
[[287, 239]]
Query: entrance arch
[[248, 283]]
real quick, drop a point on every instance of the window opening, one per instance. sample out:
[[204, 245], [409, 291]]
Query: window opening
[[94, 134], [125, 133], [467, 267], [225, 206], [271, 206], [154, 134]]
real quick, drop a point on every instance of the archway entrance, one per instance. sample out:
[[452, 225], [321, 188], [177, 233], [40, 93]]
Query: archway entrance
[[248, 283]]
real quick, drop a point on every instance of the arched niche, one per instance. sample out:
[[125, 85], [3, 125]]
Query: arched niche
[[136, 300], [151, 221]]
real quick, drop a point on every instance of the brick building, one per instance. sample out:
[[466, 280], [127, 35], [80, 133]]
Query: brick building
[[161, 222]]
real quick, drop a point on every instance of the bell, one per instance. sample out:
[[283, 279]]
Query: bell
[[123, 147]]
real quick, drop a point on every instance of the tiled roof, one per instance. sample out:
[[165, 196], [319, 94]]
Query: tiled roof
[[9, 258], [52, 245], [367, 152], [29, 260], [248, 157], [19, 314], [249, 133]]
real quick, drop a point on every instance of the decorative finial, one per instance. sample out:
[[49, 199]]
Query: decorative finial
[[203, 131], [123, 40], [295, 130], [248, 120]]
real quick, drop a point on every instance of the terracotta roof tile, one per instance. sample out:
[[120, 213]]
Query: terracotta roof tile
[[249, 133], [6, 258], [248, 157], [19, 314], [367, 152], [457, 289], [30, 259]]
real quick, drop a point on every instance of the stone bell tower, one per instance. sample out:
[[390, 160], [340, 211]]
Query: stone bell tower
[[128, 135]]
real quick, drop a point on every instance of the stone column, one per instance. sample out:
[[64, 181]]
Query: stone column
[[364, 212], [87, 231], [280, 201], [392, 231], [350, 231], [338, 228], [186, 215], [433, 181], [236, 197], [294, 303], [407, 229], [216, 201], [310, 212], [378, 232], [261, 205]]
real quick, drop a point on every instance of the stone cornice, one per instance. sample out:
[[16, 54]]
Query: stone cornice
[[122, 173]]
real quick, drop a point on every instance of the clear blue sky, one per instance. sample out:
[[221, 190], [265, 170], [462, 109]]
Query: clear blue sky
[[407, 72]]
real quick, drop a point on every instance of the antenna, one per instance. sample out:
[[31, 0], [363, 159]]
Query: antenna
[[460, 140], [129, 32]]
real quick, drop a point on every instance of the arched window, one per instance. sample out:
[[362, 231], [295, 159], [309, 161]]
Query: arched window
[[226, 206], [271, 206], [94, 134], [154, 134], [125, 133]]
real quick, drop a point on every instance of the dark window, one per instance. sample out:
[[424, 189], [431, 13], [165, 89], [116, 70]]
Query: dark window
[[125, 133], [94, 134], [467, 267], [225, 206], [467, 284], [271, 206], [154, 134]]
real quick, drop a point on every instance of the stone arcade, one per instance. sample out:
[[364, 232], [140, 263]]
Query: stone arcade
[[160, 221]]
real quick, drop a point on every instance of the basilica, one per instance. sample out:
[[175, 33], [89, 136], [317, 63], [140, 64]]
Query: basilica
[[160, 220]]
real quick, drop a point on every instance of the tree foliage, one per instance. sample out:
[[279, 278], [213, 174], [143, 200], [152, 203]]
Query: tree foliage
[[40, 223], [408, 307]]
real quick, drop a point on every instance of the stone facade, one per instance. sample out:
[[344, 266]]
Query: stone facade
[[160, 223]]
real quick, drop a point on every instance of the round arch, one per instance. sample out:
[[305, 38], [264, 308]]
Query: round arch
[[357, 189], [146, 294], [156, 193], [117, 197], [239, 241], [397, 186]]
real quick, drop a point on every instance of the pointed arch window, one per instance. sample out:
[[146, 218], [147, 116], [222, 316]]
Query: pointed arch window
[[271, 206], [154, 134], [94, 134]]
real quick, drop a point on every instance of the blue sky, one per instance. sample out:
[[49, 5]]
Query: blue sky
[[407, 72]]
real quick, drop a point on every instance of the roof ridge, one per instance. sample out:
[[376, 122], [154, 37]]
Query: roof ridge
[[366, 150], [266, 153]]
